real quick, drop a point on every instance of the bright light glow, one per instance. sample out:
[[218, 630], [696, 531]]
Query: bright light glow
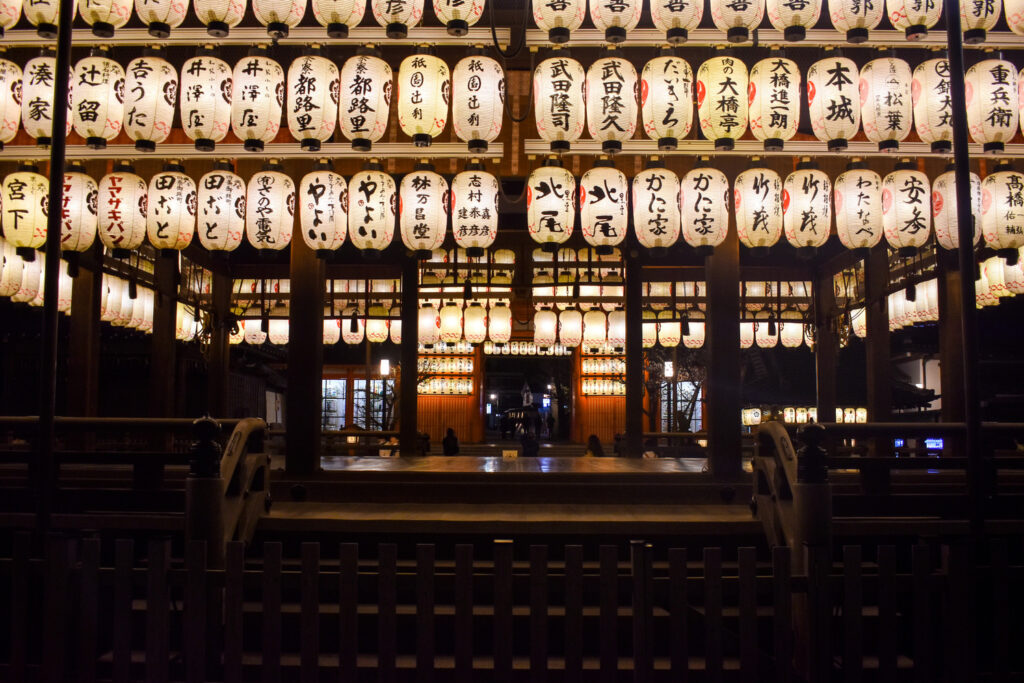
[[385, 367], [670, 369]]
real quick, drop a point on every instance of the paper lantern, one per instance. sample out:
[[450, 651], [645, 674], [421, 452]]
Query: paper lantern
[[428, 326], [913, 17], [649, 329], [656, 217], [669, 329], [885, 103], [859, 323], [451, 323], [1002, 212], [611, 94], [206, 83], [312, 100], [766, 334], [858, 205], [595, 329], [615, 17], [371, 210], [424, 88], [458, 15], [10, 13], [25, 199], [499, 324], [31, 281], [833, 101], [604, 207], [395, 325], [992, 103], [44, 15], [617, 329], [550, 199], [676, 18], [270, 209], [377, 325], [97, 99], [704, 208], [279, 15], [332, 331], [722, 100], [10, 97], [793, 17], [11, 266], [474, 197], [338, 16], [855, 18], [570, 328], [323, 209], [558, 17], [396, 16], [558, 102], [184, 322], [219, 16], [791, 329], [478, 101], [257, 98], [423, 210], [906, 214], [666, 100], [365, 100], [221, 220], [121, 206], [353, 328], [947, 231], [746, 335], [933, 107], [171, 214], [1014, 280], [78, 211], [977, 18], [160, 16], [774, 101], [151, 95], [106, 15], [277, 331], [475, 323], [806, 208], [737, 18], [758, 208], [37, 99]]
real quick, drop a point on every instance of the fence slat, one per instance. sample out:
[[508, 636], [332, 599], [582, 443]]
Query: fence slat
[[1000, 608], [55, 607], [309, 665], [157, 612], [713, 612], [194, 625], [853, 614], [124, 561], [747, 562], [887, 636], [234, 567], [88, 597], [503, 600], [640, 606], [609, 592], [271, 646], [387, 599], [425, 557], [573, 591], [464, 613], [538, 613], [783, 626], [923, 648], [679, 646], [958, 595], [19, 604], [348, 616]]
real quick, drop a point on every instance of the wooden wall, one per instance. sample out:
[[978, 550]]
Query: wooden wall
[[601, 415], [464, 414]]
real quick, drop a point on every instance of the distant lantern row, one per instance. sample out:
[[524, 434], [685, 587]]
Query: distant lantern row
[[349, 328], [22, 280]]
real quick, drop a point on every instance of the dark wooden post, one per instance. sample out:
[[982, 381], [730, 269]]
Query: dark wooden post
[[723, 373], [876, 308], [951, 359], [408, 380], [84, 354], [634, 359], [305, 360], [220, 347], [826, 345], [162, 357]]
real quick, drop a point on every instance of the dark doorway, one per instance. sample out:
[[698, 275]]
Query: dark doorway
[[549, 381]]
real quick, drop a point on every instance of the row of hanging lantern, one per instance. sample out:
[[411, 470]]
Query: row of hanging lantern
[[351, 328], [445, 386], [751, 417], [22, 281], [524, 348], [997, 280], [910, 306], [605, 386]]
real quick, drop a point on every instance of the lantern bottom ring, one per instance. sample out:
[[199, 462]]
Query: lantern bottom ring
[[205, 144], [362, 145], [604, 249], [888, 145], [615, 34], [704, 250], [422, 254], [27, 254], [611, 146], [668, 144], [973, 36], [121, 254], [396, 30], [559, 35], [993, 147], [1010, 256], [218, 29], [549, 247], [658, 252], [474, 252], [103, 29], [421, 140], [677, 36], [43, 141], [277, 29], [169, 253], [96, 143], [159, 29], [774, 144], [477, 146], [942, 146], [145, 146], [857, 35], [336, 29], [47, 30], [737, 34], [907, 252], [838, 144], [310, 144], [724, 144], [916, 32], [794, 33], [457, 27], [559, 146], [253, 145]]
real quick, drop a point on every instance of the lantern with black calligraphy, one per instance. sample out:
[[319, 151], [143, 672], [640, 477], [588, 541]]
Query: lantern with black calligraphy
[[206, 99], [365, 99], [313, 100], [106, 15], [424, 88], [833, 101], [656, 218], [676, 18], [377, 324], [806, 208], [705, 208], [570, 328], [1002, 212], [451, 323], [171, 217], [774, 101], [257, 98], [371, 210], [474, 209], [25, 199], [160, 16], [97, 100], [10, 99], [550, 199], [758, 208], [737, 18], [913, 17], [219, 16], [977, 18], [270, 208], [122, 210], [947, 230], [279, 15], [10, 13], [858, 205], [558, 103], [78, 210], [478, 100], [992, 103], [428, 329], [499, 323], [855, 18], [37, 98], [44, 15], [338, 16], [558, 17], [353, 327], [611, 91], [885, 105], [906, 210], [323, 209], [722, 100], [396, 16], [666, 100], [221, 221], [793, 17], [423, 210], [604, 206], [615, 17], [151, 95], [933, 107], [458, 15]]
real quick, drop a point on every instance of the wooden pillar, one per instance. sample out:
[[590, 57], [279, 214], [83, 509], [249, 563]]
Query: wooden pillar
[[84, 351], [408, 441], [723, 374], [877, 348], [634, 437], [303, 402], [826, 346], [220, 347], [951, 349], [162, 355]]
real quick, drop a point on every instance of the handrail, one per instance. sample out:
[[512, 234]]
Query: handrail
[[100, 422]]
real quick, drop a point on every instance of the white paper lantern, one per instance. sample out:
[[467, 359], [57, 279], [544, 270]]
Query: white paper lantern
[[377, 325], [1014, 280], [666, 100], [365, 100], [791, 329], [424, 88], [774, 97], [1002, 211], [11, 266], [933, 107], [353, 327], [151, 95], [122, 207], [604, 207], [458, 15], [833, 101], [37, 99], [474, 202], [977, 18], [906, 210], [97, 101], [858, 205], [855, 18], [676, 18], [1014, 10], [45, 14], [611, 94], [206, 83], [656, 217], [947, 231], [25, 200], [570, 328], [429, 332], [323, 209], [722, 100], [737, 18], [806, 208], [478, 101], [859, 323], [312, 100], [219, 16], [558, 102], [10, 13], [395, 325], [10, 97], [279, 15], [475, 323], [766, 335], [649, 329], [992, 103], [913, 17], [886, 107], [106, 15], [746, 335], [270, 209], [617, 329], [615, 17], [31, 281], [221, 220], [704, 208], [257, 99], [793, 17], [451, 323], [423, 210], [550, 199], [160, 16], [558, 17], [595, 329], [171, 214], [396, 16], [758, 202], [371, 210], [338, 16], [499, 324], [184, 322], [332, 331], [78, 211], [669, 329], [277, 331]]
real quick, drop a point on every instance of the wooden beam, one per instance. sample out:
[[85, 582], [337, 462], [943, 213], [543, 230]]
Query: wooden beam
[[408, 440], [220, 347], [634, 359], [826, 345], [724, 360], [84, 351], [951, 359], [877, 347], [305, 360], [162, 354]]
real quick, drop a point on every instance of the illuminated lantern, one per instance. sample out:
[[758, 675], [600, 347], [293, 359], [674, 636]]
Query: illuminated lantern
[[257, 99], [313, 100], [428, 329], [206, 99], [377, 324], [595, 329], [397, 17], [395, 325], [992, 103], [855, 18], [424, 88], [705, 208], [37, 99], [833, 101], [859, 322], [10, 97], [656, 217], [676, 18], [570, 328], [669, 329], [858, 206], [550, 196], [423, 210], [32, 278], [933, 108], [365, 99], [151, 95], [323, 208], [352, 326], [97, 99], [184, 322], [474, 209], [793, 18], [475, 323], [10, 274], [10, 13], [44, 15], [451, 323], [791, 329], [558, 17], [279, 15], [478, 100], [252, 332], [693, 333], [160, 16], [746, 335], [885, 104], [977, 19], [806, 208], [558, 103], [737, 19], [617, 329], [338, 16], [615, 18], [914, 17], [106, 15], [722, 95], [221, 220], [1002, 212], [371, 210], [611, 93], [332, 331], [947, 231], [758, 208], [499, 324], [78, 213], [277, 331], [122, 210], [458, 15], [774, 101], [766, 333], [666, 100], [604, 206], [219, 16], [24, 202], [171, 216], [1014, 281], [906, 210], [270, 208], [649, 329]]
